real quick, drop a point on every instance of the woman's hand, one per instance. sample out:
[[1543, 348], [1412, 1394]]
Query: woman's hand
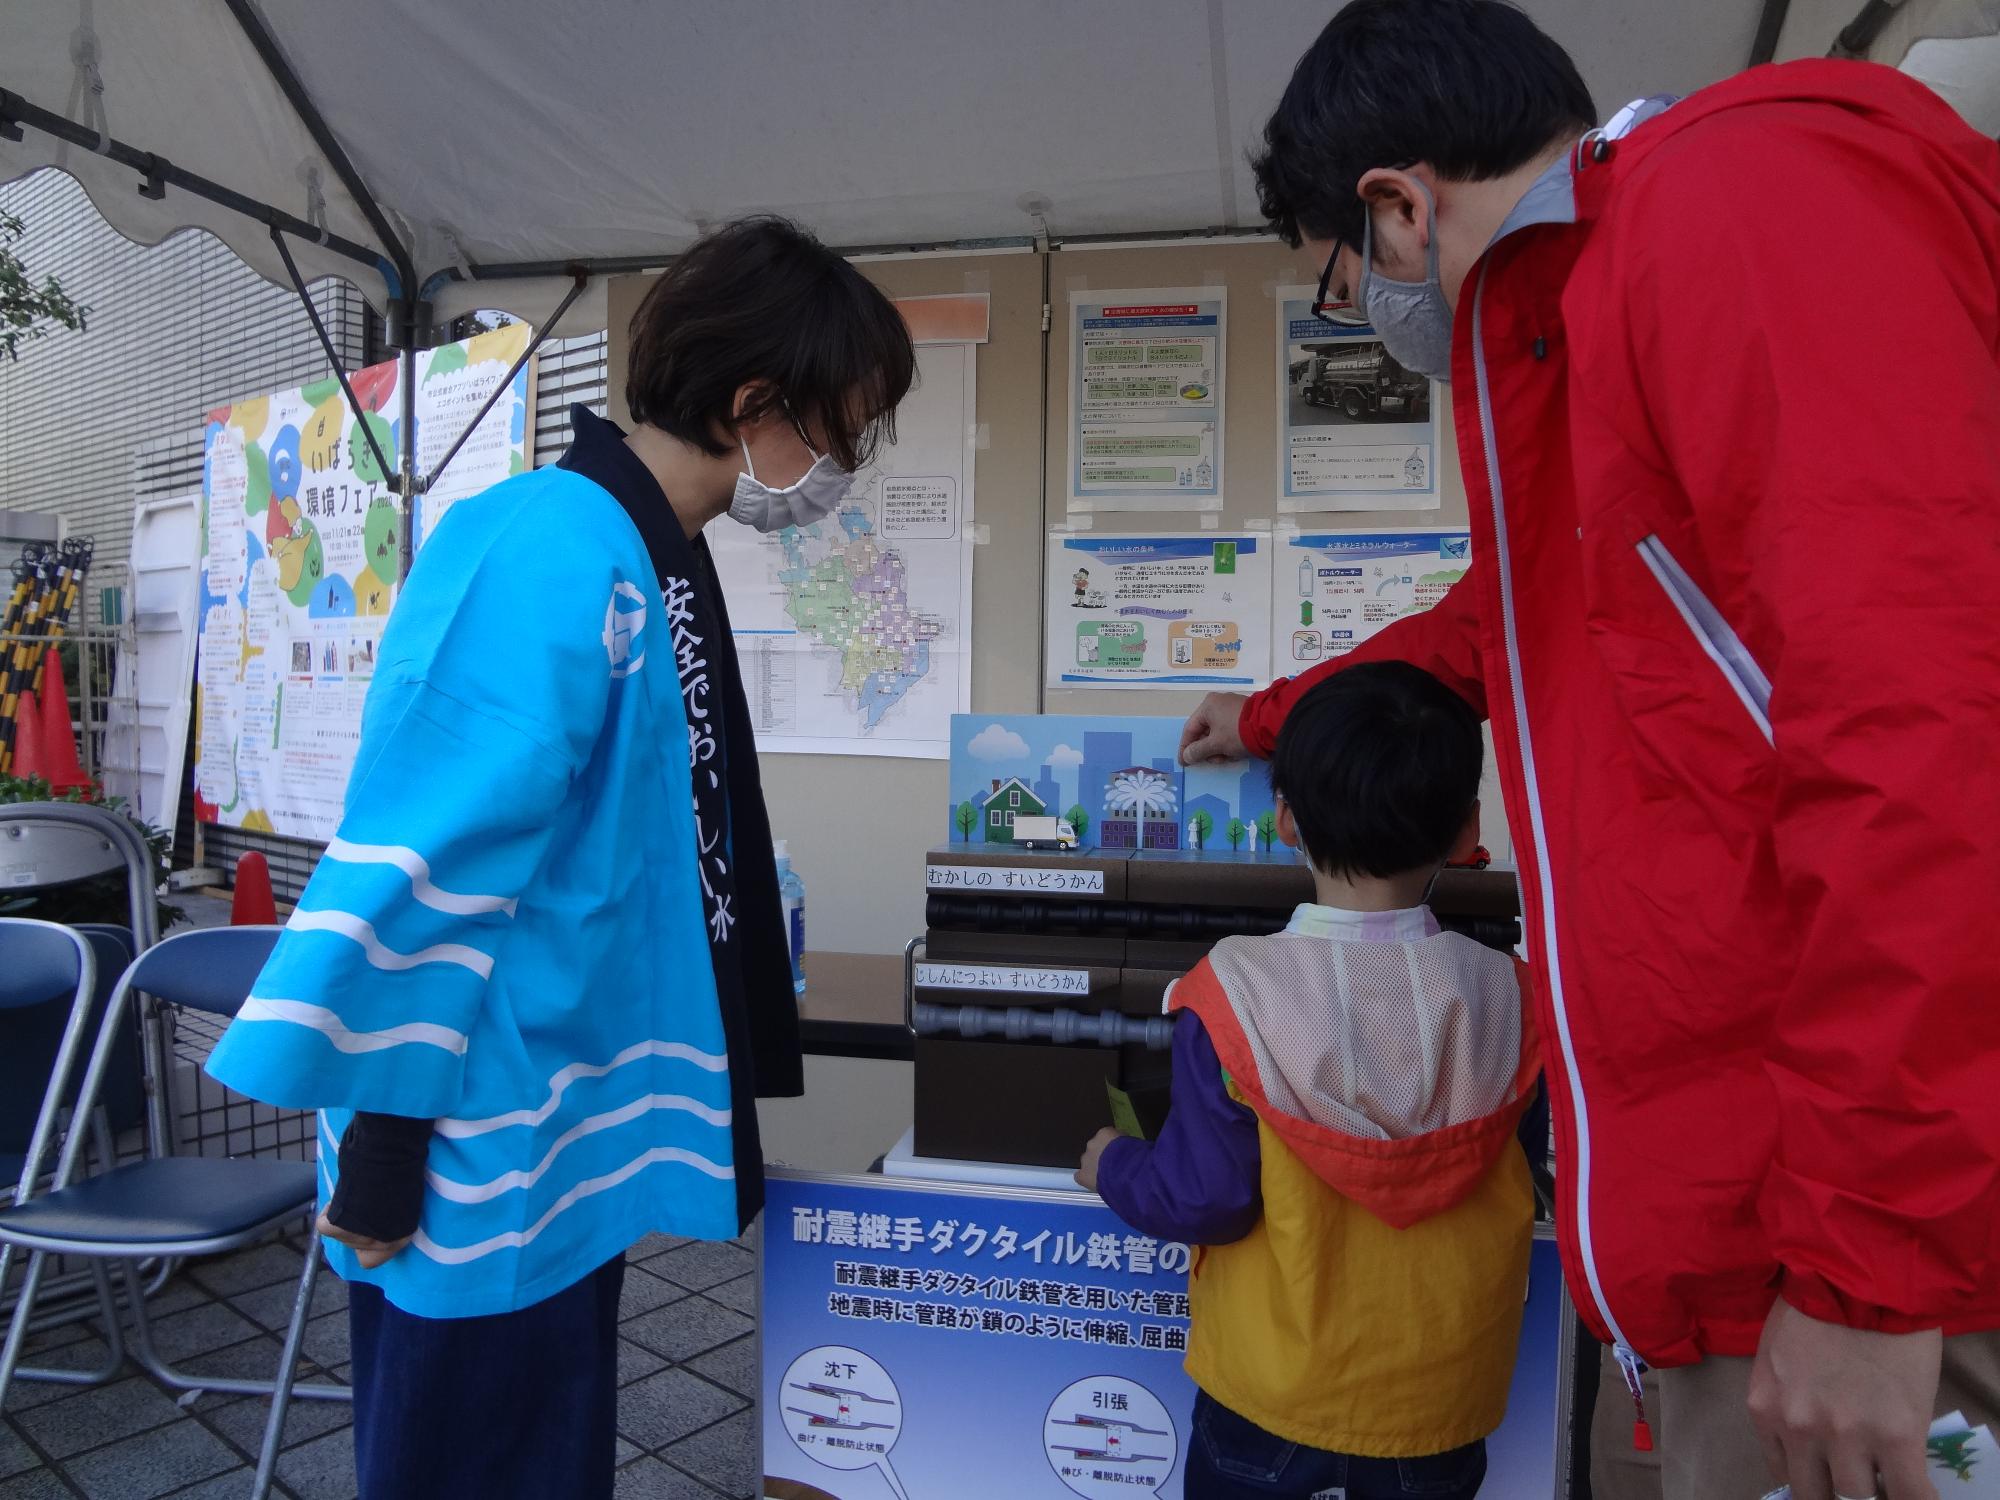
[[371, 1253]]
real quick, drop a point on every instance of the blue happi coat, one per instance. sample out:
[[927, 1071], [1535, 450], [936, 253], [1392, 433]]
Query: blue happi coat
[[509, 933]]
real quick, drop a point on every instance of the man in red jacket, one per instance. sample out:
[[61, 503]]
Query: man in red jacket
[[1728, 408]]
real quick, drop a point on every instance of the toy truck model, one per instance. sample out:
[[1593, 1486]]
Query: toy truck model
[[1044, 833], [1364, 380]]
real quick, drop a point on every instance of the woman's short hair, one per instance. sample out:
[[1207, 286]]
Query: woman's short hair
[[763, 300]]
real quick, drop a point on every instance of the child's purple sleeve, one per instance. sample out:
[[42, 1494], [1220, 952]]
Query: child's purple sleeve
[[1199, 1183]]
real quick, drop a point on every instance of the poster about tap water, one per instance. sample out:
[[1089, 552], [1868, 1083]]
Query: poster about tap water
[[1356, 430], [1145, 407], [962, 1342], [300, 555], [1164, 610], [1334, 589]]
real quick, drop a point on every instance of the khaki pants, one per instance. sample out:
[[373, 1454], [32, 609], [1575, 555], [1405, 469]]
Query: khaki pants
[[1704, 1445]]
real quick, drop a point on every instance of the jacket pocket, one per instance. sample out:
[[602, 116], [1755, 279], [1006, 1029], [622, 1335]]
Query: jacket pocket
[[1717, 639]]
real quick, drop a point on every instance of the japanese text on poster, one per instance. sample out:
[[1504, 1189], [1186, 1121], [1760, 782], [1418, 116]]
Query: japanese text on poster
[[1356, 430], [1145, 429], [302, 541], [1163, 610], [1335, 589]]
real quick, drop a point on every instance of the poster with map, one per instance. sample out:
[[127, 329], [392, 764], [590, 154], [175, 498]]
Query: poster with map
[[300, 550], [854, 633]]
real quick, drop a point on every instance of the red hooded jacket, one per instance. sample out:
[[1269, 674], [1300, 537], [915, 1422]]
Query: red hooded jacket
[[1731, 444]]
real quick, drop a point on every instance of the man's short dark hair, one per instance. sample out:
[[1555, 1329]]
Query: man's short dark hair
[[1380, 766], [762, 299], [1473, 87]]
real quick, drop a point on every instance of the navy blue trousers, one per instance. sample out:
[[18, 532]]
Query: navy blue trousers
[[517, 1406], [1232, 1458]]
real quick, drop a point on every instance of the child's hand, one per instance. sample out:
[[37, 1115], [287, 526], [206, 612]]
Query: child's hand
[[1086, 1174]]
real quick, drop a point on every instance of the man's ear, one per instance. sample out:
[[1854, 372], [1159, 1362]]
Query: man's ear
[[1395, 197], [1467, 842]]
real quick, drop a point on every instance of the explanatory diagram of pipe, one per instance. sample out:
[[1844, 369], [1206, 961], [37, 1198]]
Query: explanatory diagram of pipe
[[843, 1411], [1107, 1436]]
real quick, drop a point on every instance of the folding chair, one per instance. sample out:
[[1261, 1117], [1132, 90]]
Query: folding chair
[[165, 1205], [40, 962]]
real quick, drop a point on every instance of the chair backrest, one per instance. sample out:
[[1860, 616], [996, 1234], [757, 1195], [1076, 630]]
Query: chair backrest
[[31, 1037], [209, 969], [42, 961], [51, 843]]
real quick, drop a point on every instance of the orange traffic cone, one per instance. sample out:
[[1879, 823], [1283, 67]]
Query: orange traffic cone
[[252, 904], [27, 749], [56, 744]]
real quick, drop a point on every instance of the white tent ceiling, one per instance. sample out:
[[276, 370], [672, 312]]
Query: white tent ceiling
[[550, 130]]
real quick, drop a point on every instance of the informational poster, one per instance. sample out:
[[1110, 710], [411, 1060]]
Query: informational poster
[[453, 382], [1356, 431], [1145, 399], [300, 550], [1171, 609], [989, 1343], [854, 632], [1332, 590]]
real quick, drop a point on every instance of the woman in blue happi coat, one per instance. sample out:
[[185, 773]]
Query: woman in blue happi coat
[[539, 980]]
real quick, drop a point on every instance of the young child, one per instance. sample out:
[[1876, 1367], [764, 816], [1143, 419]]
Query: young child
[[1341, 1138]]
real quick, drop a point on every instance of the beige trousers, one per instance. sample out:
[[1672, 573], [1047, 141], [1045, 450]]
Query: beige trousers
[[1704, 1445]]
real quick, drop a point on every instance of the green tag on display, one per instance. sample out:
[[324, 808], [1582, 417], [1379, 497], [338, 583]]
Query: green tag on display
[[1124, 1118], [1225, 557]]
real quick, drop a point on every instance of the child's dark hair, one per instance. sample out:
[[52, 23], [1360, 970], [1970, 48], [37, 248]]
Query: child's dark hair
[[1380, 766]]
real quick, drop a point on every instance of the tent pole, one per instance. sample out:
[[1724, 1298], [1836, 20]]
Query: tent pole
[[407, 484], [294, 90], [16, 112], [541, 337], [1770, 26], [383, 466]]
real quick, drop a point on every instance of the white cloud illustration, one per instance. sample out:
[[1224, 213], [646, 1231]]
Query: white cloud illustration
[[1064, 758], [997, 742]]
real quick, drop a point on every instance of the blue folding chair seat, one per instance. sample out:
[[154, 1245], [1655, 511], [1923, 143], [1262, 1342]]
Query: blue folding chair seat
[[180, 1205], [164, 1205]]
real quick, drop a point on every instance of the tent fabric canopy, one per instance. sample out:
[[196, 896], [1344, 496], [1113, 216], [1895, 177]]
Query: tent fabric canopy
[[511, 131]]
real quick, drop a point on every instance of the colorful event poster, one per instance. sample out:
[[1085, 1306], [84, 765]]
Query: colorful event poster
[[1332, 590], [1183, 610], [1356, 431], [854, 632], [301, 545], [988, 1343], [1145, 399], [453, 382]]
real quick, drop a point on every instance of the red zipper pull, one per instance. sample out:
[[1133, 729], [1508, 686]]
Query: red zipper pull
[[1632, 1367]]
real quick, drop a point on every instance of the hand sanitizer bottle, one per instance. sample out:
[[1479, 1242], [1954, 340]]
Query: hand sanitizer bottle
[[792, 890]]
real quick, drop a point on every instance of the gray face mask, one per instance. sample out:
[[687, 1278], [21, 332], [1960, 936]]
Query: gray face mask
[[1412, 316]]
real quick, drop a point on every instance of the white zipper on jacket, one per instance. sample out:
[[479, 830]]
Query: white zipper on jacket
[[1713, 633], [1628, 1360]]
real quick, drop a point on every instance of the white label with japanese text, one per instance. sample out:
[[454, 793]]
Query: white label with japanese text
[[1003, 979], [1038, 880]]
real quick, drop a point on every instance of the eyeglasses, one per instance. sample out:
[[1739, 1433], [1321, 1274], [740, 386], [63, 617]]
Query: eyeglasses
[[1325, 280]]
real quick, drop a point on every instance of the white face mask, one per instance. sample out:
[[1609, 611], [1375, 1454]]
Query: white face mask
[[812, 495]]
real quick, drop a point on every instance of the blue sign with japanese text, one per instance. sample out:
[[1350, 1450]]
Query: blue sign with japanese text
[[943, 1342]]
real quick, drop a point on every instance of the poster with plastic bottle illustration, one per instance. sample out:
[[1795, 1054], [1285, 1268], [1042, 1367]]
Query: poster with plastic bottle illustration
[[950, 1342], [301, 547], [1335, 589]]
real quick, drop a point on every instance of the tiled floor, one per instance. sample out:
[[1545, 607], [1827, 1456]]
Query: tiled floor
[[686, 1414]]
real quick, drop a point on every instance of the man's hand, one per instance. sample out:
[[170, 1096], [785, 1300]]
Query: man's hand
[[371, 1253], [1086, 1174], [1838, 1407], [1212, 732]]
